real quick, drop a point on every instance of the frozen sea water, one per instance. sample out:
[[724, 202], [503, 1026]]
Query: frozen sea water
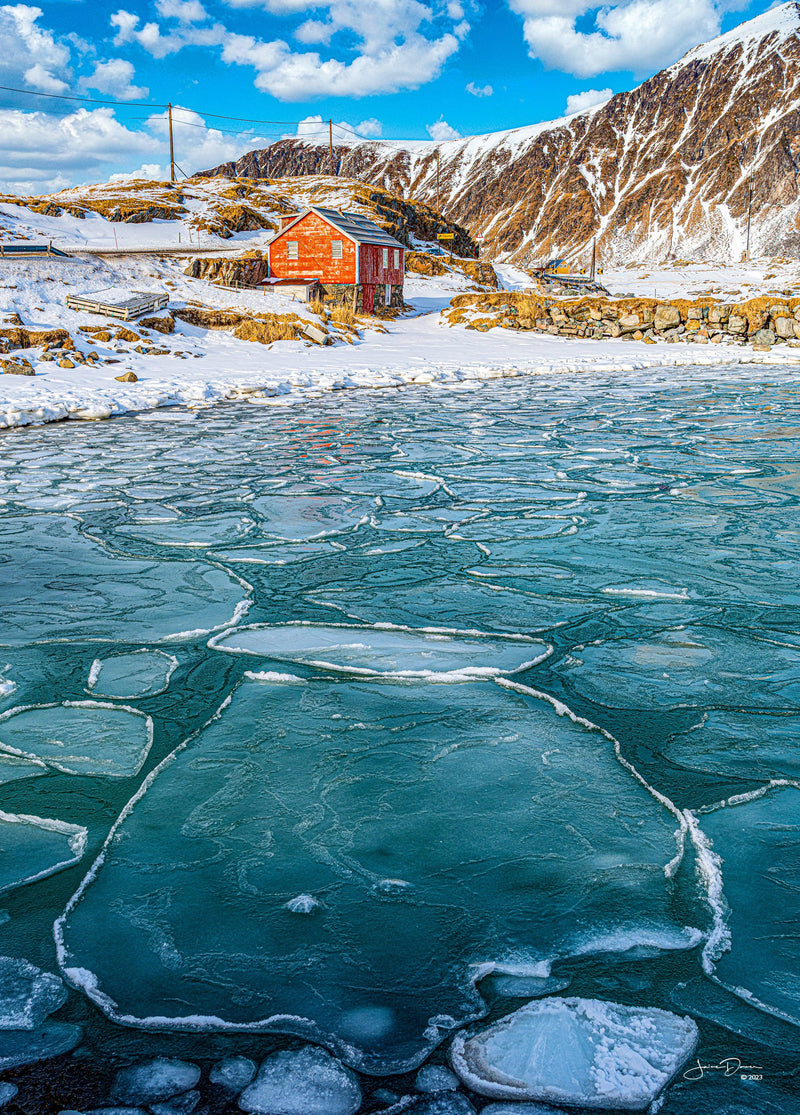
[[644, 526], [577, 1052], [406, 810], [79, 737], [398, 652], [756, 843], [145, 673]]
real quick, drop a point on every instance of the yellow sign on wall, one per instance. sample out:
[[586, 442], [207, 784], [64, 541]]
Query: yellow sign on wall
[[445, 236]]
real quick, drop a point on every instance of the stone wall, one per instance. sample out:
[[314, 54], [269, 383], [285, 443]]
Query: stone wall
[[341, 294], [761, 322]]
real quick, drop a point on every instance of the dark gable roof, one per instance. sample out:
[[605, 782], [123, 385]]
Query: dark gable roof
[[353, 225]]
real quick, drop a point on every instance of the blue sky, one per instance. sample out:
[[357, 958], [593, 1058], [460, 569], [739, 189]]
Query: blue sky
[[399, 69]]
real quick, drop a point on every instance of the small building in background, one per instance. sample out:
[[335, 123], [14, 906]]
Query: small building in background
[[354, 261]]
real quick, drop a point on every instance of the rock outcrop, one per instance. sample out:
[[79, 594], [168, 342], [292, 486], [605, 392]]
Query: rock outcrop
[[663, 170]]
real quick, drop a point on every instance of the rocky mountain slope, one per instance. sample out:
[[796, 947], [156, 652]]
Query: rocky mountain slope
[[661, 171]]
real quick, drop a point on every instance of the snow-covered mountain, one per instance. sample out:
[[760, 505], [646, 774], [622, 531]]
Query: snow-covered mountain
[[663, 170]]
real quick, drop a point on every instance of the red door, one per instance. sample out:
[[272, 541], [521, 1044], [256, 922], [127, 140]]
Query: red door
[[369, 299]]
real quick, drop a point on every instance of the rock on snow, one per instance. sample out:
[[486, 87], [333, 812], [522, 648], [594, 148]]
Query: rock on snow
[[579, 1052]]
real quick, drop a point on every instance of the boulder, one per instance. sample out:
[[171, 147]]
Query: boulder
[[737, 324], [15, 369], [127, 377], [164, 324], [629, 323], [764, 337], [784, 326], [666, 317]]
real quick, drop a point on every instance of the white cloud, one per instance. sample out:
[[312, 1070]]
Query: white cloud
[[290, 76], [187, 11], [579, 102], [40, 78], [479, 90], [115, 78], [30, 54], [441, 131], [315, 129], [637, 35], [149, 172], [399, 44]]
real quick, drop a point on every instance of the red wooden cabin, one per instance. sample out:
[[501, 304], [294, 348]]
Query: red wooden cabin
[[355, 261]]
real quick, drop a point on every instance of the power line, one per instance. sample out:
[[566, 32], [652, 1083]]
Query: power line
[[84, 100]]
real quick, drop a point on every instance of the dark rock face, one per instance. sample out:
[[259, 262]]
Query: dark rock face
[[662, 170]]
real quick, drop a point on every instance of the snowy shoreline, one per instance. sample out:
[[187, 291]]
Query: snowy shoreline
[[92, 394]]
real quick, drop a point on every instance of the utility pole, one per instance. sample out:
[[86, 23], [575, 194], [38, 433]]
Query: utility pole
[[330, 144], [171, 146], [749, 210], [438, 207]]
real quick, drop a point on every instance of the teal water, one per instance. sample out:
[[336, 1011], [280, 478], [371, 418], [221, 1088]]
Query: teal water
[[510, 705]]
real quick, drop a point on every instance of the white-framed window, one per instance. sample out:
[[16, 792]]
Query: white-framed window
[[397, 257], [385, 257], [292, 249], [337, 249]]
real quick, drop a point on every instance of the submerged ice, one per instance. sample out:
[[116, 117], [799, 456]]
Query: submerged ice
[[405, 810], [144, 673]]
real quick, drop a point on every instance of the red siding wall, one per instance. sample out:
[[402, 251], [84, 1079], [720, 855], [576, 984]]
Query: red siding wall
[[315, 261], [372, 269]]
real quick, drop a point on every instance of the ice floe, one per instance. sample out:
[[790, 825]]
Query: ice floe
[[26, 1047], [577, 1052], [385, 649], [739, 744], [233, 1073], [7, 1093], [697, 666], [302, 1082], [58, 585], [194, 531], [79, 737], [34, 847], [435, 1078], [301, 518], [143, 673], [27, 994], [154, 1081], [752, 882], [12, 768], [424, 821]]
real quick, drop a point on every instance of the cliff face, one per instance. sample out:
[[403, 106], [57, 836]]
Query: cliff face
[[662, 170]]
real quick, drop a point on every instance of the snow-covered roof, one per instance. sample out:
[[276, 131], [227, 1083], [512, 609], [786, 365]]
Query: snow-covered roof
[[353, 225]]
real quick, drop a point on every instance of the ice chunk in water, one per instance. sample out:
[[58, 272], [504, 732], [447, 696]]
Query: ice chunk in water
[[27, 994], [384, 650], [302, 1082], [689, 666], [79, 737], [57, 584], [7, 1093], [233, 1073], [334, 788], [436, 1078], [757, 842], [442, 1105], [33, 847], [739, 744], [154, 1081], [578, 1052], [12, 768], [26, 1047], [301, 518], [144, 673], [183, 1104], [200, 531]]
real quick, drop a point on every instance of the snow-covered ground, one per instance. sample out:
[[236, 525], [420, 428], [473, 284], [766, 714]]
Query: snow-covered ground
[[195, 367], [201, 366]]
